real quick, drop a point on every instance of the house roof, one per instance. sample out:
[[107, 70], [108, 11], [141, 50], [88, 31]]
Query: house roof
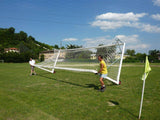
[[11, 48]]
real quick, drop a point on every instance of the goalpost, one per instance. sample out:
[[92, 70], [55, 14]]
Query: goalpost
[[85, 60]]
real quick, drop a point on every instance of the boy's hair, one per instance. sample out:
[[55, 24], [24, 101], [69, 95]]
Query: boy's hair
[[100, 56]]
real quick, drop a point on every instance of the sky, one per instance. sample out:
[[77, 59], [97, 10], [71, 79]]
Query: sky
[[86, 22]]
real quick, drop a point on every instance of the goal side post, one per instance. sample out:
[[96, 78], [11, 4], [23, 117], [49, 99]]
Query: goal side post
[[120, 65], [56, 61]]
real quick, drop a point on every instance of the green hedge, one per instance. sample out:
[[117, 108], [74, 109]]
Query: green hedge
[[17, 57]]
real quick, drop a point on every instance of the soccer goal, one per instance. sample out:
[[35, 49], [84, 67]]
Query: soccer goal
[[85, 60]]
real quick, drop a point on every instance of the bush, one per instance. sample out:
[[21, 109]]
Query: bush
[[131, 60], [41, 58], [17, 57]]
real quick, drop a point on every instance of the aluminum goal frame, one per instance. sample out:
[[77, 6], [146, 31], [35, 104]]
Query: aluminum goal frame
[[116, 81]]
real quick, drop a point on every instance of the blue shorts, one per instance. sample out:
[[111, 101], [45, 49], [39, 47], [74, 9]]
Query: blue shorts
[[103, 75]]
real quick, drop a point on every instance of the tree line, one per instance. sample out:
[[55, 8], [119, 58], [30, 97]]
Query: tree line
[[29, 47], [153, 56]]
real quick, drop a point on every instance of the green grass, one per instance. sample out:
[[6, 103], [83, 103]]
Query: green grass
[[70, 95]]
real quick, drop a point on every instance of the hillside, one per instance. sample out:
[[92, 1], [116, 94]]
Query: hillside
[[25, 43]]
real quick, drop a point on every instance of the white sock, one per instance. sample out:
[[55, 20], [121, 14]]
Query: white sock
[[103, 85]]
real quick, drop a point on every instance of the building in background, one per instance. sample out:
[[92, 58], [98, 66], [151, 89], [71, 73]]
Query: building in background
[[93, 57], [50, 54], [47, 54], [6, 50]]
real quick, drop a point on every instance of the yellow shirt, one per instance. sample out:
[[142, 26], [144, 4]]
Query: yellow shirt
[[104, 69]]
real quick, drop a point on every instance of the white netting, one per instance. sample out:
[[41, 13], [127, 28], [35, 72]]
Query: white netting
[[85, 60]]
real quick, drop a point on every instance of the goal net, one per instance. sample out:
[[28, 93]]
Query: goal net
[[85, 60]]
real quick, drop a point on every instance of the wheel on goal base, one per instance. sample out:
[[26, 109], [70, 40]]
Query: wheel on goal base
[[119, 82]]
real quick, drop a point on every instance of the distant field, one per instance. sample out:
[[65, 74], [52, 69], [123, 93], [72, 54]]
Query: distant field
[[69, 95]]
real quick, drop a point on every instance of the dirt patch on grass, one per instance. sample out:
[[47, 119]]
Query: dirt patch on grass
[[37, 84], [112, 103]]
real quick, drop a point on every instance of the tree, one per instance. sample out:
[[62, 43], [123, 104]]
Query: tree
[[23, 36], [130, 52], [23, 48], [30, 39], [72, 46], [140, 57], [62, 47], [153, 55], [1, 49], [11, 30], [56, 46]]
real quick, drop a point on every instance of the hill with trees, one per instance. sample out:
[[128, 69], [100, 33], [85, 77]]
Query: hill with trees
[[27, 45]]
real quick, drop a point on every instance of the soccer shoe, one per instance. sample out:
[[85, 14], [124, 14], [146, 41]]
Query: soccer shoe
[[97, 73], [102, 89]]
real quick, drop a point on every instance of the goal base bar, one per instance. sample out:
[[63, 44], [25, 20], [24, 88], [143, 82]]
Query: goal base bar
[[116, 82], [75, 69], [43, 69], [86, 70]]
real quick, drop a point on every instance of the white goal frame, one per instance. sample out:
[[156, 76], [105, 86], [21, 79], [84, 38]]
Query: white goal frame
[[117, 81]]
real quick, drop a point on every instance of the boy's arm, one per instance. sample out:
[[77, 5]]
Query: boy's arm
[[30, 63], [101, 68]]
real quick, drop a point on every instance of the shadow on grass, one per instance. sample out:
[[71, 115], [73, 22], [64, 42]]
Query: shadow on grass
[[124, 109], [58, 80], [93, 86], [115, 103], [96, 87], [89, 86]]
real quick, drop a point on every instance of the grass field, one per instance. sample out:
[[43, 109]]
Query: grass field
[[70, 95]]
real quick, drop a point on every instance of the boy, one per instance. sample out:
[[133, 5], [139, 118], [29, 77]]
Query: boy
[[32, 62], [103, 72]]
